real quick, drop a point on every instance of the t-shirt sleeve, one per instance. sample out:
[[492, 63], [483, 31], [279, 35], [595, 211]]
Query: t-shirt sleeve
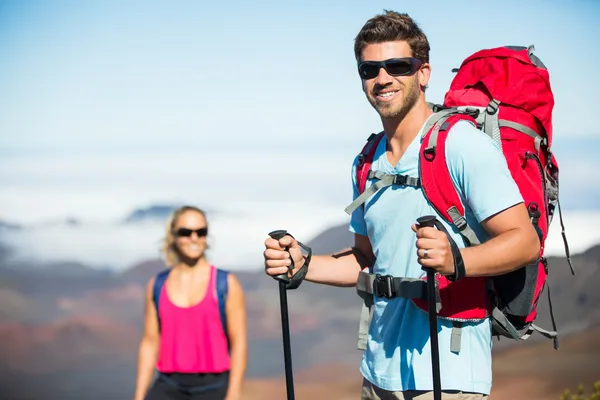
[[478, 168], [357, 220]]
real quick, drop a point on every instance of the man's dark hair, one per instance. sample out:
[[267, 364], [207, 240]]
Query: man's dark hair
[[392, 26]]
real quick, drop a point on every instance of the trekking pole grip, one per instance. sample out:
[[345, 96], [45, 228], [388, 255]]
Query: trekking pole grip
[[278, 234], [427, 220]]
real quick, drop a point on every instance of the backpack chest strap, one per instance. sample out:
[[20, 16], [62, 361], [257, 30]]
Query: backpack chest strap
[[382, 180]]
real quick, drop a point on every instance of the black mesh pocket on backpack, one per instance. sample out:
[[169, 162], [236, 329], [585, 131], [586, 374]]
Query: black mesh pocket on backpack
[[516, 290]]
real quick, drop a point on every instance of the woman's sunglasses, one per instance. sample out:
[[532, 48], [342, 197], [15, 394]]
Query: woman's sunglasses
[[393, 66], [185, 232]]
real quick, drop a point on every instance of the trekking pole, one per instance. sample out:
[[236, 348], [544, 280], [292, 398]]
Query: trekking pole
[[429, 220], [285, 325]]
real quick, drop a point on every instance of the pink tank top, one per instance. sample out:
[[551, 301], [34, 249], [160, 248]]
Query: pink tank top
[[192, 338]]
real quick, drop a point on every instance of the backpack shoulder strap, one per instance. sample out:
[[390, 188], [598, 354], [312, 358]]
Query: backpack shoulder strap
[[363, 166], [365, 159], [159, 282], [222, 288], [436, 181]]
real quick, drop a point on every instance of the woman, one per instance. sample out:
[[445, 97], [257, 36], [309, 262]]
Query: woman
[[198, 354]]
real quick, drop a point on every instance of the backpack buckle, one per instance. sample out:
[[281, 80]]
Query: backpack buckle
[[383, 286], [360, 160], [400, 180], [492, 107], [545, 263]]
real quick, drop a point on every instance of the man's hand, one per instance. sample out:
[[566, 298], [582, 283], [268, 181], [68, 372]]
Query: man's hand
[[433, 249], [277, 260]]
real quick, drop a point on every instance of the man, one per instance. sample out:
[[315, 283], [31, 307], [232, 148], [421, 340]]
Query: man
[[397, 361]]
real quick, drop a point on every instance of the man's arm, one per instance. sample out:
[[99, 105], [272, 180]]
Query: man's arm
[[478, 169], [514, 243], [339, 269]]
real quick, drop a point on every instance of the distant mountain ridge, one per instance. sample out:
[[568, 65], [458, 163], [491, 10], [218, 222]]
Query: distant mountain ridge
[[153, 212], [5, 225], [156, 212]]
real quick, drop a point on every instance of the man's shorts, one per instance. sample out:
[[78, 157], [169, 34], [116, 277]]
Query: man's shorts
[[372, 392]]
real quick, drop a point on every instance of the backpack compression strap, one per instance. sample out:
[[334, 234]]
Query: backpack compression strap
[[435, 177]]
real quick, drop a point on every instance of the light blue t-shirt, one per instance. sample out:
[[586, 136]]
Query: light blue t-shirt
[[397, 356]]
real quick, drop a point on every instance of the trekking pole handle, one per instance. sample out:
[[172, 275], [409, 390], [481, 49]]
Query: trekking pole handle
[[426, 220], [278, 234]]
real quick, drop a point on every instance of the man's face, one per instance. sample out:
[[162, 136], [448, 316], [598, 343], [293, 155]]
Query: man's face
[[391, 96]]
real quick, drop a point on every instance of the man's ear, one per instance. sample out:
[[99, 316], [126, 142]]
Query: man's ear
[[424, 75]]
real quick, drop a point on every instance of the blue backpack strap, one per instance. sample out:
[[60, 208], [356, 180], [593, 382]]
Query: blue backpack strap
[[222, 297], [159, 282]]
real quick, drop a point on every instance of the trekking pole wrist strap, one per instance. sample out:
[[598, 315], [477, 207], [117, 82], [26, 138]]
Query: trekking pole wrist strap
[[459, 264], [299, 276]]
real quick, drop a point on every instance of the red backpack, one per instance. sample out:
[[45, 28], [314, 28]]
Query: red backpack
[[505, 92]]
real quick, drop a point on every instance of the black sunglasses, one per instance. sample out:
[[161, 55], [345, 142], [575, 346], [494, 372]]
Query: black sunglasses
[[185, 232], [393, 66]]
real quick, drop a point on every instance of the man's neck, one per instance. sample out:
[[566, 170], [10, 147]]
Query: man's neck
[[401, 133]]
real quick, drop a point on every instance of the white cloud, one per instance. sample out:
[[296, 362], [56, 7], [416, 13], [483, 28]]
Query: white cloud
[[253, 192], [104, 188], [582, 232], [237, 236]]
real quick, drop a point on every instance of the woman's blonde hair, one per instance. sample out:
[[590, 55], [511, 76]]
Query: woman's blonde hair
[[168, 247]]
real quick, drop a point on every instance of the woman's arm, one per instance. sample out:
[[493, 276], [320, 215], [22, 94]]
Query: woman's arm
[[236, 326], [148, 349]]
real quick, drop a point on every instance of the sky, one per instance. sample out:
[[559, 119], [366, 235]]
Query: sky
[[131, 75], [254, 108]]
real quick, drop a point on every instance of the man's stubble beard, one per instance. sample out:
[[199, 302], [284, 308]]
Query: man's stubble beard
[[412, 97]]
